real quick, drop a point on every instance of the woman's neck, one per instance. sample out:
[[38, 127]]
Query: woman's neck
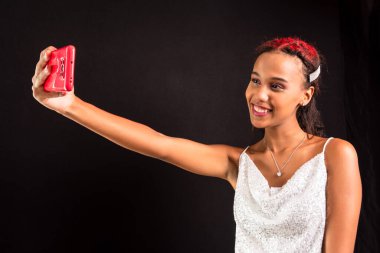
[[278, 140]]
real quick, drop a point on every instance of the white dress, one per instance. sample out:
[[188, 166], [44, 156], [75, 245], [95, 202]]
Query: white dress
[[287, 219]]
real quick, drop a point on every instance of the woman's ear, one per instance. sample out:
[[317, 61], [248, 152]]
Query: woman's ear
[[307, 96]]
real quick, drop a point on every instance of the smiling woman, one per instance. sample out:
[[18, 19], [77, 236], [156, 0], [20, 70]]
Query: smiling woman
[[308, 61], [302, 207], [293, 194]]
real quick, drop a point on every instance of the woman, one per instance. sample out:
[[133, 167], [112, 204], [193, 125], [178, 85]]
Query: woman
[[293, 192]]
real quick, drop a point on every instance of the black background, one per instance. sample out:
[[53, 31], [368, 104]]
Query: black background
[[180, 67]]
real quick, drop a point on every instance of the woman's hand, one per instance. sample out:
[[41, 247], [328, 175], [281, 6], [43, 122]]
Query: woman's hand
[[57, 101]]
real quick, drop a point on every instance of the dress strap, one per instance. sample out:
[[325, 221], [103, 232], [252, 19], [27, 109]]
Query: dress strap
[[245, 149], [324, 146]]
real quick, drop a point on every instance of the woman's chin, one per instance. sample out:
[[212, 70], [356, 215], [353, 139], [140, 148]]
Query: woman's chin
[[256, 124]]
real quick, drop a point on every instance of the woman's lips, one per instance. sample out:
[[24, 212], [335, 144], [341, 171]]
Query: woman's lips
[[259, 111]]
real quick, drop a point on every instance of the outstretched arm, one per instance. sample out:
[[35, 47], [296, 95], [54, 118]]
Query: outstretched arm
[[210, 160]]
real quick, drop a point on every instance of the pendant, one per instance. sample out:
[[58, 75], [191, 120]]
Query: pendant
[[279, 173]]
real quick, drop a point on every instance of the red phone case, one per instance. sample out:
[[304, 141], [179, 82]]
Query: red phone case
[[62, 62]]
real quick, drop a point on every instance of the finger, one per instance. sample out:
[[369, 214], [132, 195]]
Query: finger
[[47, 51], [39, 80], [44, 58], [46, 94]]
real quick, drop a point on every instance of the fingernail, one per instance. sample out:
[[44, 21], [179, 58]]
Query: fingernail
[[46, 56]]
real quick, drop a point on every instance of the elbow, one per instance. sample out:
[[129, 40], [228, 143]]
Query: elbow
[[159, 148]]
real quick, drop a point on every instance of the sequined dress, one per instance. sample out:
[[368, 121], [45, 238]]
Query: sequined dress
[[287, 219]]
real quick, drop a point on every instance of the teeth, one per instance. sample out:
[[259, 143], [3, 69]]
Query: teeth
[[259, 109]]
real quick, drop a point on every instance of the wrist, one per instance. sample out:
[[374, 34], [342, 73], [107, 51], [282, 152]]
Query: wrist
[[70, 107]]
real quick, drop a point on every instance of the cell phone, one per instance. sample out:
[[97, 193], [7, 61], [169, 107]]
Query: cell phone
[[62, 62]]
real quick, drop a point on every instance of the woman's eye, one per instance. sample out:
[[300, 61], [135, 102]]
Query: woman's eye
[[276, 86], [255, 81]]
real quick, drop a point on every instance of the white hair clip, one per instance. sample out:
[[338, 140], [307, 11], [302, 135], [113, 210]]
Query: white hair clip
[[315, 74]]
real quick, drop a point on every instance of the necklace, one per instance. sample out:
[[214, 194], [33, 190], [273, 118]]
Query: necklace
[[274, 159]]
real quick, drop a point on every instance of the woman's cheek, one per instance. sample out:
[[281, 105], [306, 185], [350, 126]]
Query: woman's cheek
[[248, 93]]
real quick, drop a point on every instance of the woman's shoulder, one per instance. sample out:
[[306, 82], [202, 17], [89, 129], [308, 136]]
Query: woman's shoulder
[[338, 146], [336, 149], [234, 152], [333, 144], [339, 151]]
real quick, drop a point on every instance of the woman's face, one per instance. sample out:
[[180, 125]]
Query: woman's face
[[276, 89]]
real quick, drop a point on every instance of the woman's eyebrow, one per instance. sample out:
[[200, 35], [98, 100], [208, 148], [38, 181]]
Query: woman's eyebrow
[[274, 78]]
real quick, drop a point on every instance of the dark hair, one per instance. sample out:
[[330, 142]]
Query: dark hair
[[308, 116]]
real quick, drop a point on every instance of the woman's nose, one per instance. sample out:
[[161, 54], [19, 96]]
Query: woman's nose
[[261, 93]]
